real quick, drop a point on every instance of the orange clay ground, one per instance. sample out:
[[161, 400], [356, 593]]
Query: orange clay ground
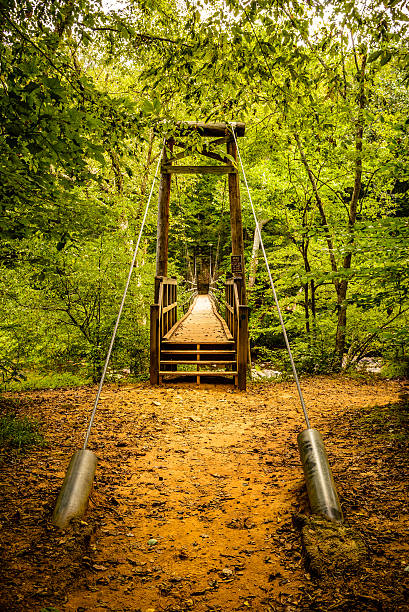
[[194, 499]]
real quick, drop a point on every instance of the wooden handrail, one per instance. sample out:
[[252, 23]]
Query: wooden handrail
[[236, 299], [168, 280], [169, 307], [164, 318], [237, 321]]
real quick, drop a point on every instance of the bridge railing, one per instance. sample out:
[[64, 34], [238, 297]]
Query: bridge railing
[[163, 318], [216, 292], [237, 319], [190, 294]]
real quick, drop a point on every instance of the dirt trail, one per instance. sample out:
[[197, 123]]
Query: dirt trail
[[194, 497]]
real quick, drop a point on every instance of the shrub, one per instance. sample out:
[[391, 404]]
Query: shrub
[[19, 433]]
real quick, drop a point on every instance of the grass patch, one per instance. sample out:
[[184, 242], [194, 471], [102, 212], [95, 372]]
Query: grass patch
[[54, 380], [19, 433]]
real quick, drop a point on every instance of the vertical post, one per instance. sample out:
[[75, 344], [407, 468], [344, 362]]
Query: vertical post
[[163, 215], [158, 280], [175, 299], [242, 348], [154, 345], [236, 224]]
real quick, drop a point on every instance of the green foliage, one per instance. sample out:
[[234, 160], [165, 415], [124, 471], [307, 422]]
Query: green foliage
[[325, 100], [20, 433], [395, 369], [54, 380]]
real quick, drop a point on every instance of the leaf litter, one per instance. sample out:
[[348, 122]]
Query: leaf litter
[[198, 514]]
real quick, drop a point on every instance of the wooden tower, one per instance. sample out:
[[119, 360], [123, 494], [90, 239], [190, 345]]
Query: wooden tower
[[164, 310]]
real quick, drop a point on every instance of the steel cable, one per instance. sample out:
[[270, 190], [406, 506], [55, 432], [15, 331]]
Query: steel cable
[[297, 381], [108, 357]]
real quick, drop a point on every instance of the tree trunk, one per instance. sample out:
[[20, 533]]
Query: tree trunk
[[341, 287], [307, 268], [116, 167], [313, 308], [353, 207], [320, 206], [307, 308]]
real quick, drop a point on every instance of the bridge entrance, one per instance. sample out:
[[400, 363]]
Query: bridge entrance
[[210, 340]]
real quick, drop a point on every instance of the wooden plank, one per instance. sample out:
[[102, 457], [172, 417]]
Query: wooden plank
[[236, 298], [154, 345], [236, 222], [177, 324], [222, 321], [229, 169], [170, 307], [158, 283], [181, 144], [194, 352], [205, 151], [194, 362], [162, 239], [212, 155], [188, 151], [242, 348], [174, 344], [200, 374], [160, 302], [169, 280]]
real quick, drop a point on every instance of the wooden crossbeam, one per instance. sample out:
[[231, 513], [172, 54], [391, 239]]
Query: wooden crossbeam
[[166, 309], [206, 151], [214, 143], [168, 169], [213, 155]]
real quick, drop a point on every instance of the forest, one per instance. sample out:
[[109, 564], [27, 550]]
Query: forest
[[88, 92], [282, 492]]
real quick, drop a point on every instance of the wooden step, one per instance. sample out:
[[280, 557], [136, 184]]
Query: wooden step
[[200, 373], [184, 362], [204, 346], [198, 356], [197, 352]]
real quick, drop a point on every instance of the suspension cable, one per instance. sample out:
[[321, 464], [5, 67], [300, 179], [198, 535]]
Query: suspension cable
[[297, 381], [108, 357]]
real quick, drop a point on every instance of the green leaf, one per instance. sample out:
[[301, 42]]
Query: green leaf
[[374, 55], [147, 107], [387, 56]]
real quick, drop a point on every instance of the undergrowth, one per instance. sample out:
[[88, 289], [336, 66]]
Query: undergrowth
[[54, 380], [19, 432]]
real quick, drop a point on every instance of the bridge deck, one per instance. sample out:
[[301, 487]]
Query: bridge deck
[[201, 324]]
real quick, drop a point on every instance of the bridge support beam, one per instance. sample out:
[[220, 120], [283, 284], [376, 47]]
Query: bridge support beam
[[154, 345], [163, 312], [242, 346], [236, 223], [163, 215]]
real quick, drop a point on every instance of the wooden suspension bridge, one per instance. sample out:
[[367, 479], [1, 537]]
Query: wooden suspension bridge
[[201, 340], [201, 344]]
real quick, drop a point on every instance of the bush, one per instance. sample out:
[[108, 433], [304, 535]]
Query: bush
[[19, 433], [54, 380], [396, 369]]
